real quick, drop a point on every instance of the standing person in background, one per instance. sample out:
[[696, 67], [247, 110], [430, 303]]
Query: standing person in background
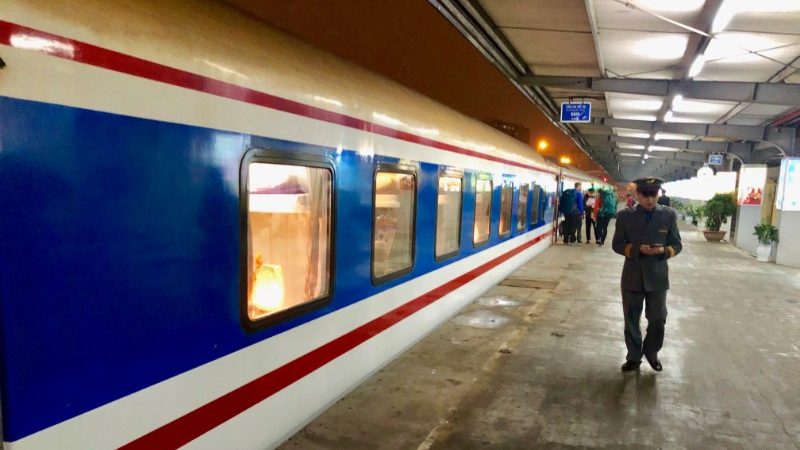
[[577, 218], [605, 212], [568, 208], [629, 202], [589, 211], [664, 200]]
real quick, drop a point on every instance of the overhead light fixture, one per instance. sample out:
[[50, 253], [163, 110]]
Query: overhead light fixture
[[625, 104], [661, 47], [649, 148], [649, 117], [632, 133], [565, 160], [642, 161], [697, 66], [630, 154], [631, 146], [668, 116], [700, 107], [646, 156], [542, 144], [672, 5]]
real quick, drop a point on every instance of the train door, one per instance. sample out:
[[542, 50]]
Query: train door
[[559, 188]]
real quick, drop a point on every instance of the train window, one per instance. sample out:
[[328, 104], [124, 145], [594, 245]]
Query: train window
[[506, 196], [393, 231], [483, 210], [289, 218], [522, 207], [535, 202], [448, 216]]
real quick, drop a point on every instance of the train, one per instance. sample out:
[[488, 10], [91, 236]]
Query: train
[[212, 231]]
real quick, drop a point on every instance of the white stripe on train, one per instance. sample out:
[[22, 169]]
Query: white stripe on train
[[39, 77], [130, 417]]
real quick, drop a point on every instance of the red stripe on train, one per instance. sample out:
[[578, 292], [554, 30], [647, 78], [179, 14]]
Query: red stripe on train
[[184, 429], [59, 46]]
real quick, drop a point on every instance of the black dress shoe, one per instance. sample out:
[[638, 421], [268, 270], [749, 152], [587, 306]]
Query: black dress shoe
[[654, 363], [631, 365]]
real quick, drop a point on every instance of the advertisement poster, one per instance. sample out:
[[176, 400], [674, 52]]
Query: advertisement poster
[[751, 184], [788, 196]]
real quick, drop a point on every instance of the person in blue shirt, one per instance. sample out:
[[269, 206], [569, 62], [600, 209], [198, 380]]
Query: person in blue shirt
[[577, 218]]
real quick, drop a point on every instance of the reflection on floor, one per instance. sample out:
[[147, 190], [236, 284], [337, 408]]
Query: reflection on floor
[[538, 367]]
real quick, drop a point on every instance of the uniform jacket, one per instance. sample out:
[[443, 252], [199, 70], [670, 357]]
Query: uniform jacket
[[646, 272]]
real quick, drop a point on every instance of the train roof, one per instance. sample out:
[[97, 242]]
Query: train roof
[[223, 43]]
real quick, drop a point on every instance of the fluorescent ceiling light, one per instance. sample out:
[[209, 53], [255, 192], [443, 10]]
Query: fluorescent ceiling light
[[661, 47], [659, 148], [662, 136], [630, 146], [668, 116], [691, 106], [635, 105], [679, 119], [633, 134], [763, 6], [637, 155], [697, 66], [671, 6], [646, 156], [636, 116]]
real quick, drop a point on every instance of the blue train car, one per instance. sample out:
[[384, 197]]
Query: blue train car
[[206, 244]]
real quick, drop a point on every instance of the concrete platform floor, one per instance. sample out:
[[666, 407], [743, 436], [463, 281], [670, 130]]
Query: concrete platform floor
[[538, 367]]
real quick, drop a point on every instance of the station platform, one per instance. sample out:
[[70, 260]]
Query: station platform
[[535, 363]]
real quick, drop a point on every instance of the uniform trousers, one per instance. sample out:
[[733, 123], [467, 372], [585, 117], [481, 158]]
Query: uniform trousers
[[656, 312]]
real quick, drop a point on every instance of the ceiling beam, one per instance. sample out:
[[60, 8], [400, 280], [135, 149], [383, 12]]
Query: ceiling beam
[[734, 132], [678, 144], [729, 91]]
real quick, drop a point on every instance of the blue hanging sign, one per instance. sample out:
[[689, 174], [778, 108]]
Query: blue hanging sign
[[715, 160], [576, 112]]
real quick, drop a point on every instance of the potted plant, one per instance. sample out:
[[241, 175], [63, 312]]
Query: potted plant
[[690, 212], [717, 210], [767, 237]]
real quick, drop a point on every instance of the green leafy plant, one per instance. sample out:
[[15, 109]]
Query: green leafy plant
[[697, 214], [679, 205], [766, 233], [718, 209]]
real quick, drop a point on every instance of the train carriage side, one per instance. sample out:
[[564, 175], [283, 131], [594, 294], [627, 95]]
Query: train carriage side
[[197, 246]]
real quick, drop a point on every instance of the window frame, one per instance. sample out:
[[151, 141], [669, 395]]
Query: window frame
[[393, 168], [534, 221], [521, 226], [488, 239], [281, 157], [507, 184], [449, 174]]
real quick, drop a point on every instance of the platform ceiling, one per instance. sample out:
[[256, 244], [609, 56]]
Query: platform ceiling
[[634, 133], [517, 60]]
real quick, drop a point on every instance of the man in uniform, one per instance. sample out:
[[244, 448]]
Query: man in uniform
[[647, 235]]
